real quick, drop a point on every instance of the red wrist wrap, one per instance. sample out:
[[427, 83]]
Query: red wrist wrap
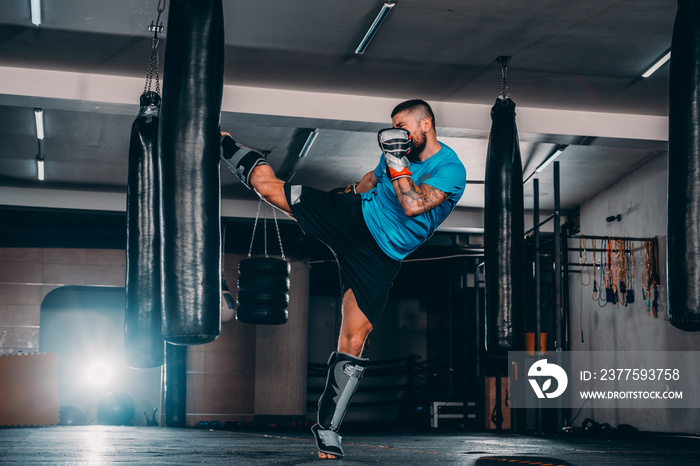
[[393, 174]]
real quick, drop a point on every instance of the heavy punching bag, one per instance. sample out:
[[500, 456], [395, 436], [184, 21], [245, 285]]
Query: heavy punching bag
[[143, 343], [189, 172], [175, 384], [503, 233], [683, 253]]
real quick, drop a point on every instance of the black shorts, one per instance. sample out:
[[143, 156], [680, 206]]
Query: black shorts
[[337, 221]]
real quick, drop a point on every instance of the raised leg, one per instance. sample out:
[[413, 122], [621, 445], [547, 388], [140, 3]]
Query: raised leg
[[269, 187], [254, 172]]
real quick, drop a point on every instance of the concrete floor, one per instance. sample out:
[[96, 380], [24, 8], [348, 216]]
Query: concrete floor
[[157, 445]]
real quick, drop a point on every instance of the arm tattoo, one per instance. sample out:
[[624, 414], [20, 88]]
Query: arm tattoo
[[419, 199]]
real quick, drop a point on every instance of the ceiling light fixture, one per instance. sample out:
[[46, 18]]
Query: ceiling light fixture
[[659, 63], [309, 142], [560, 148], [557, 152], [386, 8], [36, 12], [39, 167], [39, 120]]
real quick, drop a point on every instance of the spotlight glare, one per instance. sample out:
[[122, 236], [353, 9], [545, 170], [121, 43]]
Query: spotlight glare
[[99, 373]]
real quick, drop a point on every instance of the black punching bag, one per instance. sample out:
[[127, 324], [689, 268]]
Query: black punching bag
[[683, 253], [189, 172], [503, 233], [175, 383], [143, 343]]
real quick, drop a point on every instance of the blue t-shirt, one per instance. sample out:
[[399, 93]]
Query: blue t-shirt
[[397, 234]]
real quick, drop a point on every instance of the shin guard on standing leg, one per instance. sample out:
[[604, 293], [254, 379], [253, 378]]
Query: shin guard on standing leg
[[344, 374]]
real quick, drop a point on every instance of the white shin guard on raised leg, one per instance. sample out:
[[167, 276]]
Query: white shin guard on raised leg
[[240, 159], [344, 374]]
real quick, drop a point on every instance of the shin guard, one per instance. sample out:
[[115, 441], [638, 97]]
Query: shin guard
[[240, 159], [344, 374]]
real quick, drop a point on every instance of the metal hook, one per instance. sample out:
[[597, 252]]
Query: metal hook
[[157, 27]]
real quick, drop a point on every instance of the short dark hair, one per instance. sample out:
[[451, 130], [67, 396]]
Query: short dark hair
[[414, 105]]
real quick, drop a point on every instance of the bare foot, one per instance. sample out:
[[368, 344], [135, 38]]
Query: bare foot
[[326, 456]]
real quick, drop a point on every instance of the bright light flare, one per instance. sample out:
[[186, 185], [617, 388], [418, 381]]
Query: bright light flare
[[99, 373]]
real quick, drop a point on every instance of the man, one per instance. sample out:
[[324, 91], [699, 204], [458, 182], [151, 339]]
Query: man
[[388, 214]]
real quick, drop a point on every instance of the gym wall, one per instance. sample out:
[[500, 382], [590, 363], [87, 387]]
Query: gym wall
[[640, 198]]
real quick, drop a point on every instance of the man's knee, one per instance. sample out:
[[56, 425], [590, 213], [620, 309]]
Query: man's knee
[[353, 343]]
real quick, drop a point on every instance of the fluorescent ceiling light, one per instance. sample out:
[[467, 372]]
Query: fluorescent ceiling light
[[551, 158], [36, 12], [386, 8], [39, 120], [659, 63], [40, 167], [309, 142]]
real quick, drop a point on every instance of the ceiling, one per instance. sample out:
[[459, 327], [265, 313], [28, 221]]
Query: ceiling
[[291, 68]]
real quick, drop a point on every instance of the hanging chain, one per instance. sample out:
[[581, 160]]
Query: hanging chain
[[255, 226], [279, 236], [153, 66], [154, 62], [265, 230], [505, 92]]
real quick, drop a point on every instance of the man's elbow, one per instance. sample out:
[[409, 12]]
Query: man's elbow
[[413, 210]]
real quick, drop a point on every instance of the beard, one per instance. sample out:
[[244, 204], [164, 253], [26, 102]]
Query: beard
[[418, 142]]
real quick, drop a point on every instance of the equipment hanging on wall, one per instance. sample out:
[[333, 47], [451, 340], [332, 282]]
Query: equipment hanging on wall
[[263, 283], [189, 172], [615, 274], [683, 245], [143, 342], [504, 229]]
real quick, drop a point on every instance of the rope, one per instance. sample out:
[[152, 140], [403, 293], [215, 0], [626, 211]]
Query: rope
[[603, 276], [583, 259], [596, 287], [621, 272], [651, 283]]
